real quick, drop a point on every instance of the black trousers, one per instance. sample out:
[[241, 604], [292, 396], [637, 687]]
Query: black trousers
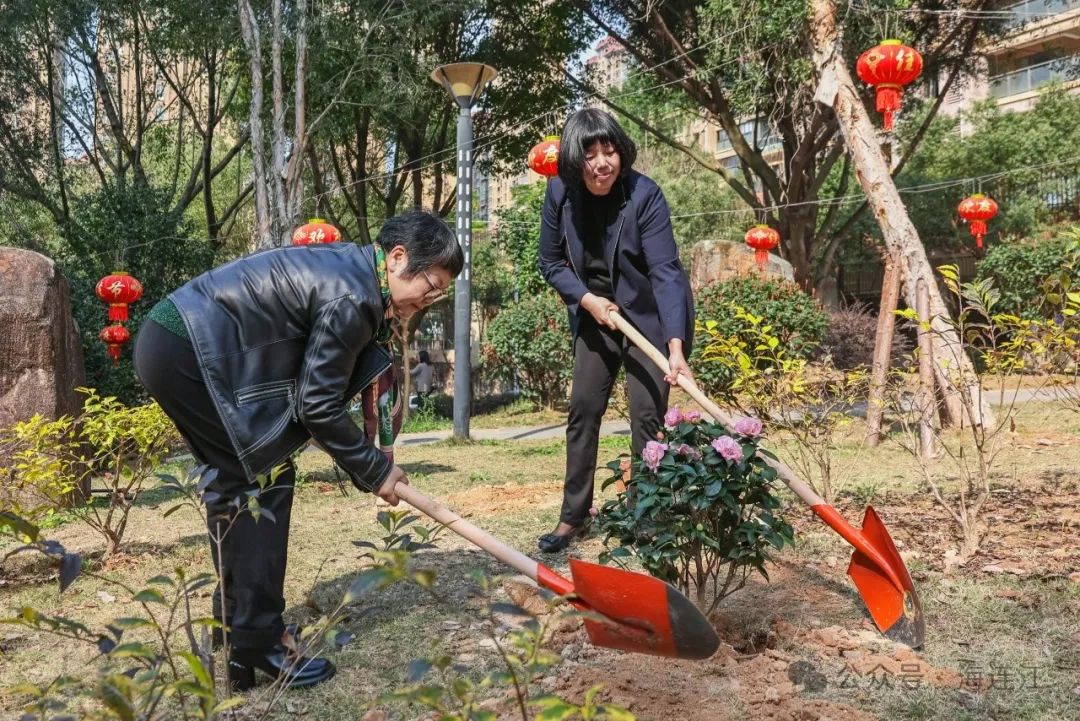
[[251, 596], [599, 352]]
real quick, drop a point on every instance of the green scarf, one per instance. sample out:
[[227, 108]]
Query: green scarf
[[381, 400]]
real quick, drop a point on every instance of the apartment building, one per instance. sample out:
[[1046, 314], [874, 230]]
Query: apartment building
[[1041, 44]]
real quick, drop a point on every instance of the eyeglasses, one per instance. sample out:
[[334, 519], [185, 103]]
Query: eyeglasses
[[436, 293]]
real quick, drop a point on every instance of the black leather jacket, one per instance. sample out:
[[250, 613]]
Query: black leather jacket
[[285, 339]]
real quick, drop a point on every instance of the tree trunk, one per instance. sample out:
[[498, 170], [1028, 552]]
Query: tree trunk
[[836, 89], [886, 325], [250, 28]]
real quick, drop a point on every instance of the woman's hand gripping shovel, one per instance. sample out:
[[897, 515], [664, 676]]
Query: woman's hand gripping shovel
[[879, 573], [624, 610]]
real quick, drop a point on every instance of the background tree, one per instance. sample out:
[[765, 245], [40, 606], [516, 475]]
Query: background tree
[[743, 59]]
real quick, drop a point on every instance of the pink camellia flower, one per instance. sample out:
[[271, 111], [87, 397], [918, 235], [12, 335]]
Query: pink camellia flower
[[691, 416], [673, 417], [688, 451], [653, 453], [728, 447], [748, 426]]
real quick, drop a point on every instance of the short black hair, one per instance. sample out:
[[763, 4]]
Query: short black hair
[[584, 129], [427, 239], [424, 357]]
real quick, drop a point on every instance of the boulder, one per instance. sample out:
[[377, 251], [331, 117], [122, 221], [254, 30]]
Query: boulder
[[712, 261], [41, 358]]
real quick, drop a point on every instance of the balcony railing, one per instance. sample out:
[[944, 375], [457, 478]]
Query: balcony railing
[[1032, 11], [1033, 77]]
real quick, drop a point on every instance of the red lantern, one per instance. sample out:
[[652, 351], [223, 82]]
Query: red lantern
[[317, 230], [762, 239], [544, 157], [118, 290], [889, 67], [114, 336], [977, 210]]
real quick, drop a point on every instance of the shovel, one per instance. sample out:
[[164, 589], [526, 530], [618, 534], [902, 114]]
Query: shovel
[[625, 610], [879, 573]]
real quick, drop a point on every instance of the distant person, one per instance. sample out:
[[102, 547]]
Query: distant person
[[606, 244], [421, 375], [256, 357]]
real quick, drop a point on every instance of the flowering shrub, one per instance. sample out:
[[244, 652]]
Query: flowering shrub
[[701, 512]]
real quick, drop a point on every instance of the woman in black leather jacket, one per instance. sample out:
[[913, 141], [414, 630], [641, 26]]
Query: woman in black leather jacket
[[253, 359]]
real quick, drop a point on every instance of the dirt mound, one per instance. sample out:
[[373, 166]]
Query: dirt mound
[[505, 498]]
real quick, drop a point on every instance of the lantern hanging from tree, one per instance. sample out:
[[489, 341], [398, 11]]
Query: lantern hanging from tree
[[118, 290], [889, 67], [976, 210], [114, 336], [762, 239], [544, 157], [317, 230]]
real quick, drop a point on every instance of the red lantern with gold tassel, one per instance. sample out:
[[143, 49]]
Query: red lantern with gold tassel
[[889, 67], [317, 230], [114, 336], [762, 239], [976, 210], [118, 290], [544, 157]]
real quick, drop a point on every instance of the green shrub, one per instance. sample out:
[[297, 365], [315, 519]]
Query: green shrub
[[54, 461], [532, 337], [701, 511], [794, 318], [1019, 268]]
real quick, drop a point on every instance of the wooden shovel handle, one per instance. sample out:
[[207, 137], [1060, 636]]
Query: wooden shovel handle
[[510, 556]]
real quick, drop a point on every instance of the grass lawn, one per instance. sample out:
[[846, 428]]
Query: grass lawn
[[1003, 631]]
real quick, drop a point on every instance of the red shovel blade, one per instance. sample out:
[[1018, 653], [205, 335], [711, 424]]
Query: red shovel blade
[[897, 612], [642, 614]]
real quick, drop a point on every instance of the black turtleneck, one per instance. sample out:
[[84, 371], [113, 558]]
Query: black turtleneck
[[598, 212]]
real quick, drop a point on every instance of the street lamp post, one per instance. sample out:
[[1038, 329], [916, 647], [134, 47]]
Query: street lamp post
[[465, 82]]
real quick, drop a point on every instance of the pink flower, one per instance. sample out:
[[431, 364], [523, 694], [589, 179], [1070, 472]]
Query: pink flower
[[594, 511], [689, 452], [747, 426], [691, 416], [728, 447], [653, 453], [673, 417]]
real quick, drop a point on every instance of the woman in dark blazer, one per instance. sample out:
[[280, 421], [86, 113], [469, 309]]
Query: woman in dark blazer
[[606, 244]]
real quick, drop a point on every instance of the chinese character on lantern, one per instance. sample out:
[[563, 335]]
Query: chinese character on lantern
[[977, 209], [889, 67], [544, 157], [118, 290], [762, 239], [317, 230], [114, 336]]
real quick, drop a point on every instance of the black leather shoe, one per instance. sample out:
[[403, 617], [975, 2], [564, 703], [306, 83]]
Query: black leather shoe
[[555, 542], [276, 662]]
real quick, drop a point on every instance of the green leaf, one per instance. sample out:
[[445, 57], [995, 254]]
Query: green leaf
[[198, 670], [149, 595]]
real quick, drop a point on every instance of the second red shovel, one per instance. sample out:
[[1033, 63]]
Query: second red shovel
[[627, 611]]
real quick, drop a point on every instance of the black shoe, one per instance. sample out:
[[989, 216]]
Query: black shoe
[[555, 542], [217, 635], [276, 662]]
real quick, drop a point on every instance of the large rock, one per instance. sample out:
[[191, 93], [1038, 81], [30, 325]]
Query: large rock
[[41, 358], [712, 261]]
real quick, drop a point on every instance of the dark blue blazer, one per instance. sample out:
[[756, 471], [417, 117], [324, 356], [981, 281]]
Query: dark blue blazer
[[651, 287]]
